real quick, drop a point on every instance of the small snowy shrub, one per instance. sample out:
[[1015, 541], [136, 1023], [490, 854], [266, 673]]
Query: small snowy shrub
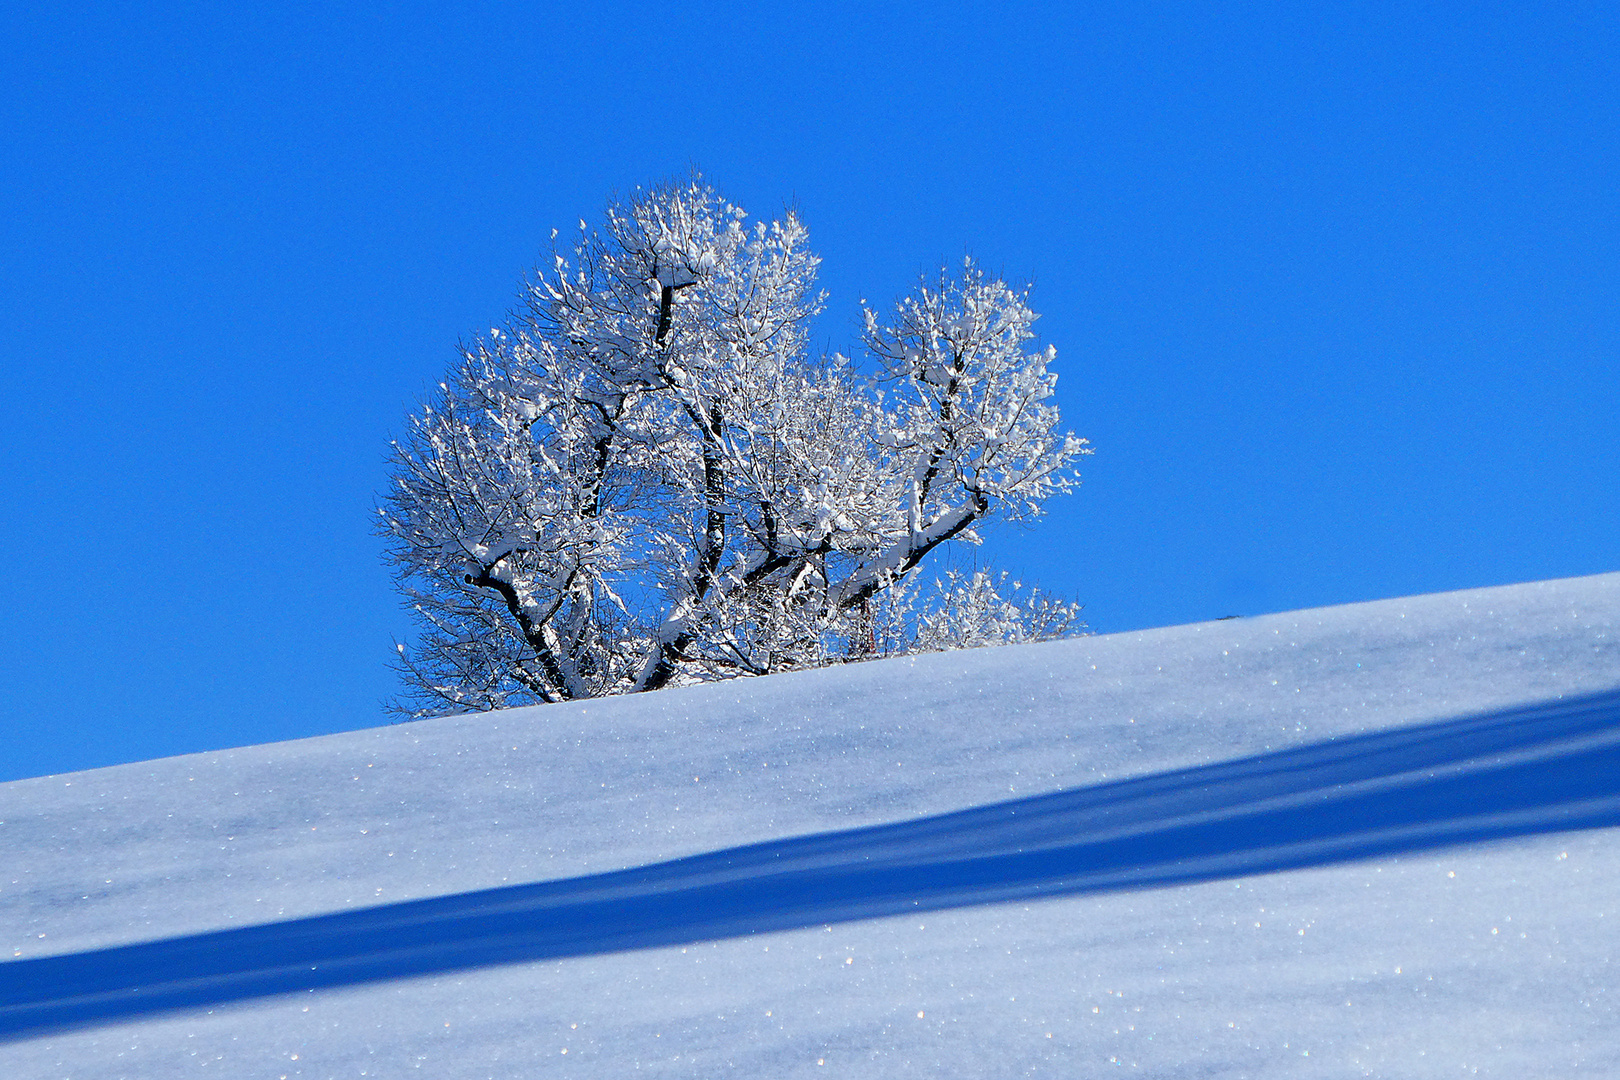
[[645, 478]]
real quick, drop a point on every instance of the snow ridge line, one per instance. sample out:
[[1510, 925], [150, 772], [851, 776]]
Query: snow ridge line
[[1549, 767]]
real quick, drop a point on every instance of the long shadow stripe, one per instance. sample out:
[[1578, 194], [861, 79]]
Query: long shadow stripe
[[1547, 768]]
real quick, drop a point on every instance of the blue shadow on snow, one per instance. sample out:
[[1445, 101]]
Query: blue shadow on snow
[[1545, 768]]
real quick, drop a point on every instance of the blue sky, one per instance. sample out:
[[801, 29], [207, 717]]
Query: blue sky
[[1334, 294]]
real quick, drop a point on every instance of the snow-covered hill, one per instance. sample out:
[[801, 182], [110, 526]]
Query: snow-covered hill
[[1367, 840]]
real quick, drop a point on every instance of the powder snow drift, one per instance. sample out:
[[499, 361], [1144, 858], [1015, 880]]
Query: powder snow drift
[[1369, 840]]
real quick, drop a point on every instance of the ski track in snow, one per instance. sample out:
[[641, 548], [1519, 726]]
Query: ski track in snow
[[1370, 732]]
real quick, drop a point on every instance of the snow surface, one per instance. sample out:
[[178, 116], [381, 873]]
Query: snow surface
[[1486, 958]]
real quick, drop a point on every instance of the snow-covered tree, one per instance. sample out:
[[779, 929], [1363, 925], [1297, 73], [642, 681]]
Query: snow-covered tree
[[645, 477]]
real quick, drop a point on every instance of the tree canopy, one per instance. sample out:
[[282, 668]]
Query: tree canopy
[[646, 477]]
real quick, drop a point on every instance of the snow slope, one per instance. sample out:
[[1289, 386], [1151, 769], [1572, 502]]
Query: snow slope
[[1150, 873]]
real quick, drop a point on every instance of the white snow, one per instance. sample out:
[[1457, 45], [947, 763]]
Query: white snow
[[1486, 959]]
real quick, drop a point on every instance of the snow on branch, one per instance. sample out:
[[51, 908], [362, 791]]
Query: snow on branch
[[647, 479]]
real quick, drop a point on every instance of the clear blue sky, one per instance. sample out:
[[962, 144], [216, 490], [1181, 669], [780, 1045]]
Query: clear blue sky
[[1334, 294]]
